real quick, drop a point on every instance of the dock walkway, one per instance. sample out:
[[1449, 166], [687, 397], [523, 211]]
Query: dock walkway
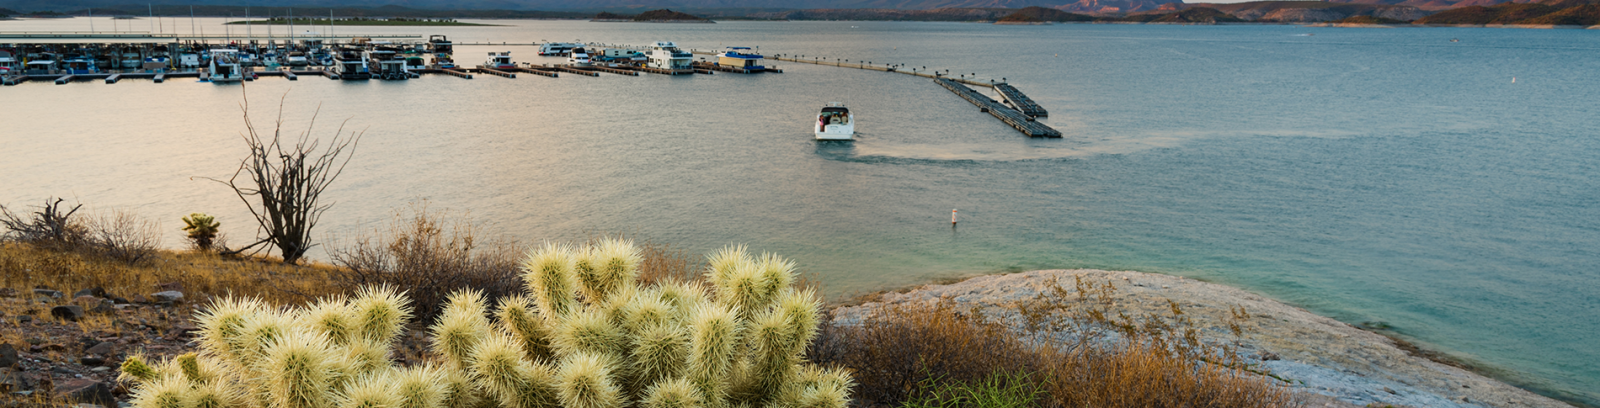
[[1012, 117], [1020, 101]]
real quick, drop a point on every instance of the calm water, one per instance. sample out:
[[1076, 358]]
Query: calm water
[[1369, 175]]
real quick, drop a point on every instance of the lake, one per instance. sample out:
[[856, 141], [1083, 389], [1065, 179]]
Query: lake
[[1371, 175]]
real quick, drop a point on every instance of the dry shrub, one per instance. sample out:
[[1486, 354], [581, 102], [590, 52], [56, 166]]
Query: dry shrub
[[1134, 374], [122, 236], [662, 262], [902, 349], [52, 226], [429, 255]]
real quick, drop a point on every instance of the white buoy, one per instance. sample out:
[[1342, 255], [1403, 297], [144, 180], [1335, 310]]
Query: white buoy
[[1513, 80], [952, 217]]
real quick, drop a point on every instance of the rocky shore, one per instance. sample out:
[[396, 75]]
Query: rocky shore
[[1331, 362]]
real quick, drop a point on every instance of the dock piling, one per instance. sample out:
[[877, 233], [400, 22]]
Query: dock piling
[[113, 78], [64, 79]]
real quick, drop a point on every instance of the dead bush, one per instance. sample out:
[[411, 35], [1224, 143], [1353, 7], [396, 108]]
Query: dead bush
[[1134, 374], [429, 255], [52, 226], [122, 236], [899, 350]]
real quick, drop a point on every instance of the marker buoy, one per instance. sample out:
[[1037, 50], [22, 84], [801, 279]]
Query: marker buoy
[[952, 217]]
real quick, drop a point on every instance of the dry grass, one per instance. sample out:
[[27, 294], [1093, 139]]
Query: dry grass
[[24, 267]]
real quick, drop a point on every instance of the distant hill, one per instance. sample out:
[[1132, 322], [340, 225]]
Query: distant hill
[[1196, 15], [1554, 12], [943, 14], [1313, 11], [1041, 14], [667, 15]]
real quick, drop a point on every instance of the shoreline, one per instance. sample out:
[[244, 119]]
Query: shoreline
[[1345, 365]]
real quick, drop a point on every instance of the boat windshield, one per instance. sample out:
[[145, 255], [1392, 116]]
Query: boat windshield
[[832, 109]]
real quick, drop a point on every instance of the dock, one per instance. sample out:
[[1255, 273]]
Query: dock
[[1022, 123], [492, 71], [1020, 101], [540, 71], [714, 67], [113, 78], [664, 71], [565, 68], [618, 71]]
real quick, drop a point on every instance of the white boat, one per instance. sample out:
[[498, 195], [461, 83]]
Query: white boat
[[557, 49], [741, 57], [351, 66], [500, 60], [414, 63], [8, 63], [579, 57], [224, 67], [189, 61], [666, 55], [296, 59], [835, 122]]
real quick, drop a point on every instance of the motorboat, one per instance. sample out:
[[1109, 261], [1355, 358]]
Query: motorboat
[[439, 44], [80, 64], [414, 63], [500, 60], [224, 67], [557, 49], [835, 122], [666, 55], [579, 57], [741, 57], [188, 60], [620, 55], [351, 66], [296, 59]]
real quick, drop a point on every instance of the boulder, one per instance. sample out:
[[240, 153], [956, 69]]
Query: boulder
[[69, 313], [53, 294], [96, 292], [167, 296], [87, 391], [8, 356], [104, 348]]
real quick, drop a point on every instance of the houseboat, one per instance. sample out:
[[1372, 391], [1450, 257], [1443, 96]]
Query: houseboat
[[557, 49], [387, 64], [620, 55], [500, 60], [579, 57], [835, 122], [351, 66], [79, 64], [740, 57], [39, 67], [224, 67], [666, 55]]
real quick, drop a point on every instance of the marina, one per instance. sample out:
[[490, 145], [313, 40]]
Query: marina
[[402, 57]]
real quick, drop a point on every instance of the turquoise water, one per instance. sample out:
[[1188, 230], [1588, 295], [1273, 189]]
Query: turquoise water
[[1371, 175]]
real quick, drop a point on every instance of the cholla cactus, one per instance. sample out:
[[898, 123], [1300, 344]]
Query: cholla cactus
[[202, 229], [587, 335]]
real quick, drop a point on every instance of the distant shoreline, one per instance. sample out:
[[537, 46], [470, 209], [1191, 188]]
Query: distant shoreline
[[363, 23]]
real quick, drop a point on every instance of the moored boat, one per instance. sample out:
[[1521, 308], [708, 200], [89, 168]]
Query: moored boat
[[666, 55], [741, 57], [501, 60], [835, 122], [224, 67], [579, 57], [350, 65], [557, 49]]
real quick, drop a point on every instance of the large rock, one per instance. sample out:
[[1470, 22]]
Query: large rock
[[8, 355], [96, 292], [104, 348], [87, 391], [69, 313], [54, 294], [167, 296]]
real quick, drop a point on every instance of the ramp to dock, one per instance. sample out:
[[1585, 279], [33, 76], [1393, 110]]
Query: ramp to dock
[[1020, 101], [1012, 117]]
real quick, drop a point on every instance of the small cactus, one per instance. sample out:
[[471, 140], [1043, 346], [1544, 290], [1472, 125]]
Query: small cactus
[[202, 229]]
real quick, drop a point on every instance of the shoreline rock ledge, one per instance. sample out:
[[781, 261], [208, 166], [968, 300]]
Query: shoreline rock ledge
[[1342, 365]]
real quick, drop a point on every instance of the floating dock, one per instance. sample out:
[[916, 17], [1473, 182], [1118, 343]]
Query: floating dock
[[714, 67], [1012, 117], [1020, 101]]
